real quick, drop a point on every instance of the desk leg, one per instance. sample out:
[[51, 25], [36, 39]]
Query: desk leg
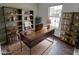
[[30, 51], [21, 45], [53, 38]]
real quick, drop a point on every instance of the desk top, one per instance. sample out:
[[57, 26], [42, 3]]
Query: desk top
[[36, 34]]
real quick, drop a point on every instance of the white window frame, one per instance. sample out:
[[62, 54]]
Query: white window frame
[[56, 15]]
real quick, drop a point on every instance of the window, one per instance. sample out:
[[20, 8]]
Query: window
[[54, 15]]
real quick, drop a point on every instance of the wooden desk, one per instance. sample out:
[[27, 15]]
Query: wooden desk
[[36, 37]]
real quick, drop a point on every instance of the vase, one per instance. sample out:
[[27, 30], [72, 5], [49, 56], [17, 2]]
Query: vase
[[48, 26]]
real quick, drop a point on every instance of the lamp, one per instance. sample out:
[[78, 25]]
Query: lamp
[[48, 23]]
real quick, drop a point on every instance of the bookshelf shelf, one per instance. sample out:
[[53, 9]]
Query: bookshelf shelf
[[19, 19], [66, 27], [70, 28], [29, 14]]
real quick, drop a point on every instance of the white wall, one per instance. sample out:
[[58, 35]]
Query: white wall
[[67, 7], [43, 12], [71, 7]]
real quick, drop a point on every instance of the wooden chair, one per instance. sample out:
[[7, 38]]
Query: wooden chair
[[13, 35]]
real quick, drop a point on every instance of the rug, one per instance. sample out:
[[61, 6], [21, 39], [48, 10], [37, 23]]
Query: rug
[[42, 48]]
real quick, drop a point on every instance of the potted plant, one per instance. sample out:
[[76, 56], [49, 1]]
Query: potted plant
[[38, 20], [38, 23]]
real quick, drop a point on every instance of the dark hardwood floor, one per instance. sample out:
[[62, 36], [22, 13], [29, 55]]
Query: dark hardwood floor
[[61, 48], [58, 48]]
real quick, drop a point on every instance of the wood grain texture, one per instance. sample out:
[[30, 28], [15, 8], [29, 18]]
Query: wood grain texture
[[36, 37]]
